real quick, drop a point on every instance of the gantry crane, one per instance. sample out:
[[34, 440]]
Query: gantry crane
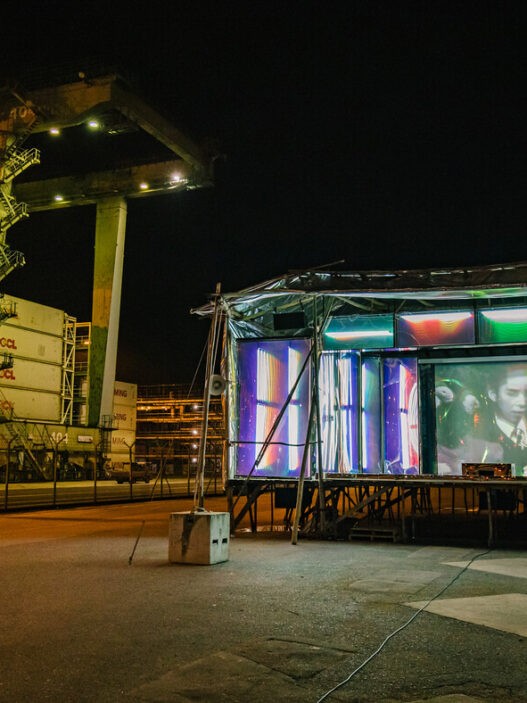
[[107, 100]]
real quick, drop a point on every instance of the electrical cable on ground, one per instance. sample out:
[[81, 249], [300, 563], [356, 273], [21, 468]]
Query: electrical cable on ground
[[402, 627]]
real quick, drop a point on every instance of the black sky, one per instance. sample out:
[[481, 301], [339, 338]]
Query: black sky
[[389, 134]]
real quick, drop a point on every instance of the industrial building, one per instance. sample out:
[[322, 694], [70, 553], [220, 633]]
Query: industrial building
[[169, 428]]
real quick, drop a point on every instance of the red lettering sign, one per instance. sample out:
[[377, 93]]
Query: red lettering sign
[[7, 343]]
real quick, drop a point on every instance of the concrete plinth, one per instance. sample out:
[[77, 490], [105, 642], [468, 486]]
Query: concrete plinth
[[198, 537]]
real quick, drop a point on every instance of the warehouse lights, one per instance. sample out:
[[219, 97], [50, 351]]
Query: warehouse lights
[[94, 124], [54, 131], [58, 198]]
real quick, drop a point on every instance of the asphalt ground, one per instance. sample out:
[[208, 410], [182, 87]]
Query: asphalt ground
[[92, 610]]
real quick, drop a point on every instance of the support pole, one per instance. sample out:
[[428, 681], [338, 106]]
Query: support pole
[[491, 522], [110, 232], [300, 492], [321, 496], [209, 370]]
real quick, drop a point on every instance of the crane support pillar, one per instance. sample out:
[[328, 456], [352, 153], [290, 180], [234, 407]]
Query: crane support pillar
[[107, 280]]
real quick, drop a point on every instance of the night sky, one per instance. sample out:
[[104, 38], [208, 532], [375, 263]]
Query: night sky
[[388, 134]]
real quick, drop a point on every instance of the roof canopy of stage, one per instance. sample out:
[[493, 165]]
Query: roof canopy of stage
[[322, 293]]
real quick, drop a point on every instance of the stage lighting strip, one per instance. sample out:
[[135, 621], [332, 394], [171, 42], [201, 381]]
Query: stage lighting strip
[[402, 627]]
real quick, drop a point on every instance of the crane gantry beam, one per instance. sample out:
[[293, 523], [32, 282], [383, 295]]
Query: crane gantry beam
[[89, 188], [74, 103]]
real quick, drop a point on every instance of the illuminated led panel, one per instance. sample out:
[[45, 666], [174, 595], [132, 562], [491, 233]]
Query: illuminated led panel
[[338, 396], [435, 328], [401, 436], [371, 434], [502, 325], [267, 373], [359, 332]]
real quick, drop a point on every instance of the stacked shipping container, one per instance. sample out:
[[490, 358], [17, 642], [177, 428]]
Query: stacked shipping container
[[31, 389]]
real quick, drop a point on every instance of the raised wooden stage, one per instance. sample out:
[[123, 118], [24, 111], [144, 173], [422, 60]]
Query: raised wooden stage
[[428, 509]]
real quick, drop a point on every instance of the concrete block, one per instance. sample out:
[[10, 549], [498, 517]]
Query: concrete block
[[198, 537]]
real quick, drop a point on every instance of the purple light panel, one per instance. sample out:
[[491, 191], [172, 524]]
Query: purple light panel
[[267, 372], [401, 436]]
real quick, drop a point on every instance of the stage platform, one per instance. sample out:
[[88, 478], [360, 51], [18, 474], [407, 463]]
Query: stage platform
[[402, 508]]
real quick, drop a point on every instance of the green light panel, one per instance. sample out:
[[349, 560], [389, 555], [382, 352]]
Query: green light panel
[[359, 332], [502, 325]]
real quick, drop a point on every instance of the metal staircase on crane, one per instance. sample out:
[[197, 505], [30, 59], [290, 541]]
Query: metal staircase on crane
[[7, 311], [13, 162], [19, 435], [13, 211], [16, 161]]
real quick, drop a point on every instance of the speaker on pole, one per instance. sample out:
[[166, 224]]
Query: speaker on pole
[[217, 384]]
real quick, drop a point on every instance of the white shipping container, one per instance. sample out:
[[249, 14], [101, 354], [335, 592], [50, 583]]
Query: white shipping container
[[121, 442], [125, 393], [30, 344], [35, 316], [124, 417], [30, 405], [32, 375]]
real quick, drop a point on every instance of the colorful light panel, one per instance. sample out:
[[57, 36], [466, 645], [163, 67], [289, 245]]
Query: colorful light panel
[[359, 332], [502, 325], [401, 436], [371, 433], [267, 373], [339, 412], [434, 329]]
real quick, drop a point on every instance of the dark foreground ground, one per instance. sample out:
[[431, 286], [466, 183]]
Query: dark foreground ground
[[88, 613]]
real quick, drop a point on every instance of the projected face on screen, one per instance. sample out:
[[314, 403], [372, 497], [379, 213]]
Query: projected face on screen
[[481, 415], [270, 443]]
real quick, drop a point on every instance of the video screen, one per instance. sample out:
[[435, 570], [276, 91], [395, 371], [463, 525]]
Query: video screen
[[480, 410], [339, 412], [267, 373], [435, 328]]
